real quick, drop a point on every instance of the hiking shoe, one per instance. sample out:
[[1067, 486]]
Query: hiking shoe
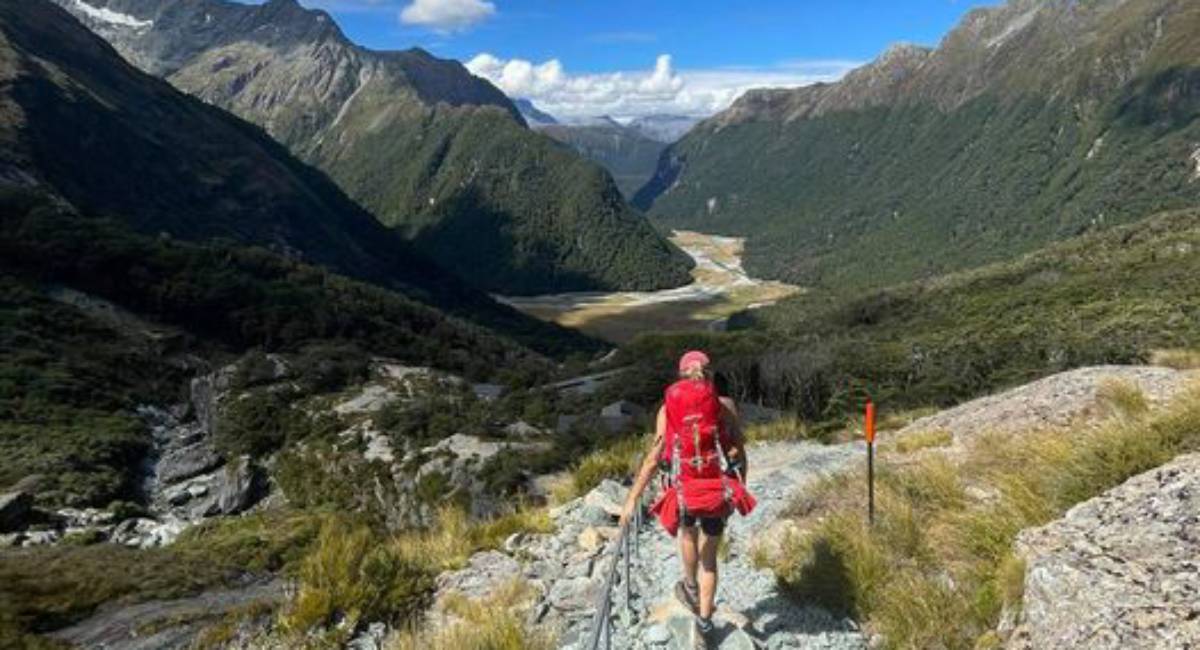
[[689, 596], [702, 630]]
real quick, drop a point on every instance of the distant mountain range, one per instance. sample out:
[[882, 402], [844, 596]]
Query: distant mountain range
[[1031, 122], [628, 151], [428, 148]]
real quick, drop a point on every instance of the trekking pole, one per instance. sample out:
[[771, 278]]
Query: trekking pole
[[869, 430]]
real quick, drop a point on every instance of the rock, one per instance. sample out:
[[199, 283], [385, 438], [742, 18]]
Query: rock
[[593, 538], [514, 542], [371, 638], [238, 489], [656, 635], [522, 430], [609, 496], [1055, 402], [1119, 570], [484, 574], [15, 511], [147, 533], [582, 568], [575, 594], [84, 517], [371, 398], [184, 463]]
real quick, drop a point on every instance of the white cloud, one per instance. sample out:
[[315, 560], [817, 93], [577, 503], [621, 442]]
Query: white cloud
[[662, 89], [447, 15]]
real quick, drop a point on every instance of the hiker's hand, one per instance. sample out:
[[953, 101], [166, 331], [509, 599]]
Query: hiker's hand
[[626, 514]]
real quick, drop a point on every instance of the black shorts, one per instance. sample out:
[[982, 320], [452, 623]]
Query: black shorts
[[712, 526]]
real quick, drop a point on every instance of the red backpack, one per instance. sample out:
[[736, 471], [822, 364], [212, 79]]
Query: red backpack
[[694, 429], [694, 451]]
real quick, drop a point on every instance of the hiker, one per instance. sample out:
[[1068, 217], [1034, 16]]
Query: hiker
[[698, 443]]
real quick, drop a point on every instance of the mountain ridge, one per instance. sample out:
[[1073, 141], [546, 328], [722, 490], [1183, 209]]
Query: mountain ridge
[[1029, 123], [85, 126], [427, 147]]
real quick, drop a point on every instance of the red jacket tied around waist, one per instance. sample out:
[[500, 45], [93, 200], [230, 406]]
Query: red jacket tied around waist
[[693, 449]]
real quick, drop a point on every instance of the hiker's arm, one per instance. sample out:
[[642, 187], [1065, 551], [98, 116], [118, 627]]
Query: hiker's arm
[[649, 465], [733, 424]]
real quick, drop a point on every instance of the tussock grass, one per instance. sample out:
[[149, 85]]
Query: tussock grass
[[1177, 358], [1122, 397], [920, 440], [351, 574], [938, 569], [616, 461], [783, 430], [492, 624]]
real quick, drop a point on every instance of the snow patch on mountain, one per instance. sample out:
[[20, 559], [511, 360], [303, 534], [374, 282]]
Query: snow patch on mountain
[[110, 17]]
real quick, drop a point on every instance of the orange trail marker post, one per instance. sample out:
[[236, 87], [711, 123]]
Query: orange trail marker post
[[869, 432]]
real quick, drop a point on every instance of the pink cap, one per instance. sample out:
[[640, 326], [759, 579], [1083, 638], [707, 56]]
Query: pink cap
[[692, 358]]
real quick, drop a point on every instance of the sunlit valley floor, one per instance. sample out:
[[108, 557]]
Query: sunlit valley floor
[[720, 287]]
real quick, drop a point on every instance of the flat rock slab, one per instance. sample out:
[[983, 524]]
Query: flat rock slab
[[1055, 402], [1119, 571], [180, 620]]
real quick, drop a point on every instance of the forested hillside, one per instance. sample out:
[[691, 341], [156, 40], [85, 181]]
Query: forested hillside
[[82, 124], [1112, 297], [428, 148], [1031, 122]]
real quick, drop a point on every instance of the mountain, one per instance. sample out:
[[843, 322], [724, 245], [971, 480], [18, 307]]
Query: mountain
[[534, 116], [428, 148], [626, 153], [1033, 121], [663, 128], [81, 124]]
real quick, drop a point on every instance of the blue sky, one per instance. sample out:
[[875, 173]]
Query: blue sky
[[578, 57]]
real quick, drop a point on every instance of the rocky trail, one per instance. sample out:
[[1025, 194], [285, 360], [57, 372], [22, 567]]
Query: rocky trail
[[569, 566], [751, 612]]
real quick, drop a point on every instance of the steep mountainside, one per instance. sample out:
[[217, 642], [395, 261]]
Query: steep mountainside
[[78, 121], [1033, 121], [626, 153], [533, 115], [419, 141], [664, 128]]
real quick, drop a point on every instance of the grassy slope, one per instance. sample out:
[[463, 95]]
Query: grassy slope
[[873, 196], [938, 568]]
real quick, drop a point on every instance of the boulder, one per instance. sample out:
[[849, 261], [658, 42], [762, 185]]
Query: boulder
[[184, 463], [239, 488], [1120, 570], [484, 574], [147, 533], [16, 508], [593, 538], [575, 594], [609, 496]]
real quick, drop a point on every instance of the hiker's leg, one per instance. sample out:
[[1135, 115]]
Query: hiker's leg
[[688, 553], [710, 540]]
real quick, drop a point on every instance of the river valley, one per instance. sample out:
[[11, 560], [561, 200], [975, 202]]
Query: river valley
[[720, 287]]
